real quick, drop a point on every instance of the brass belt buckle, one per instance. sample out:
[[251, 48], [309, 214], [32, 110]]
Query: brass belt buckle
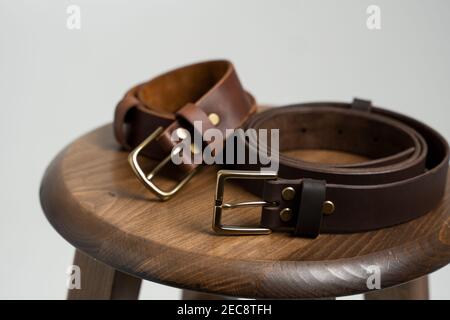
[[222, 176], [147, 179]]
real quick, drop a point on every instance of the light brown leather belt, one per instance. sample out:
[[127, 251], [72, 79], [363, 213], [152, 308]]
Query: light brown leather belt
[[209, 92], [404, 178]]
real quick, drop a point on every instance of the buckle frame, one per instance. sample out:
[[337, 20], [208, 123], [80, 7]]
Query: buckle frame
[[146, 179], [219, 206]]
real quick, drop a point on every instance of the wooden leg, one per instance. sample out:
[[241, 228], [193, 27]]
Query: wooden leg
[[414, 290], [101, 282]]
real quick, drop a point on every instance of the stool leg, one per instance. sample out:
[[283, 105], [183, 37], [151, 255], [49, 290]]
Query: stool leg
[[413, 290], [101, 282]]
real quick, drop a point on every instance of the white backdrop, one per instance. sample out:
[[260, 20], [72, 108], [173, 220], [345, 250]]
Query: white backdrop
[[56, 84]]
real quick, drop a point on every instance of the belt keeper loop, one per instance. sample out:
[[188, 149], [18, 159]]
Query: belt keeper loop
[[361, 105], [309, 217], [191, 113]]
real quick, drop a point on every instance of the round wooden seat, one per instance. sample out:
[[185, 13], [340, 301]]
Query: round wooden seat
[[92, 198]]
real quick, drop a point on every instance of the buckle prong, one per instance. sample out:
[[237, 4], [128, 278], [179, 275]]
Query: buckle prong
[[145, 179], [224, 175], [226, 206]]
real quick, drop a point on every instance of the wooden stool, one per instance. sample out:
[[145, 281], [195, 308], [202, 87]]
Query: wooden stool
[[123, 234]]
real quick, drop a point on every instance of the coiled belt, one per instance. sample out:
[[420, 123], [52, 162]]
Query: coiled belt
[[151, 113], [403, 177]]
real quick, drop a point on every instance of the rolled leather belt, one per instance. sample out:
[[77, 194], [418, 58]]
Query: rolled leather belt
[[403, 178], [209, 92]]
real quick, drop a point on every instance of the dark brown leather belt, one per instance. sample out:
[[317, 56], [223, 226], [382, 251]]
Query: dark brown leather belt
[[403, 179]]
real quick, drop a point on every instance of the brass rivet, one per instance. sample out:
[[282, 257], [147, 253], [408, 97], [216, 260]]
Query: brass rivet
[[288, 193], [328, 207], [286, 214], [214, 118], [194, 149], [182, 133]]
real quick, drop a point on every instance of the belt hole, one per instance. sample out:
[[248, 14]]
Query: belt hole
[[340, 131], [303, 130]]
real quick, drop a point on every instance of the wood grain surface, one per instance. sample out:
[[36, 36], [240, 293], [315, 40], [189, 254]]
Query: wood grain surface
[[91, 197], [413, 290]]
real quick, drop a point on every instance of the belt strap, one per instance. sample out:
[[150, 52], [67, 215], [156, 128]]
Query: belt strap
[[150, 114], [403, 177], [209, 92]]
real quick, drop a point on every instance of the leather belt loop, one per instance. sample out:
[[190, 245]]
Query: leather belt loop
[[120, 114], [309, 216], [192, 113], [361, 105]]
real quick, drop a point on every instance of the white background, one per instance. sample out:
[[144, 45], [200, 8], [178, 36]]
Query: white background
[[56, 84]]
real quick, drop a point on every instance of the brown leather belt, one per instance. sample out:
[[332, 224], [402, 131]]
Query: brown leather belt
[[209, 92], [404, 178]]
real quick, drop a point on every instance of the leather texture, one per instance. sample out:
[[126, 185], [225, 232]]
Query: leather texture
[[403, 178], [178, 98]]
